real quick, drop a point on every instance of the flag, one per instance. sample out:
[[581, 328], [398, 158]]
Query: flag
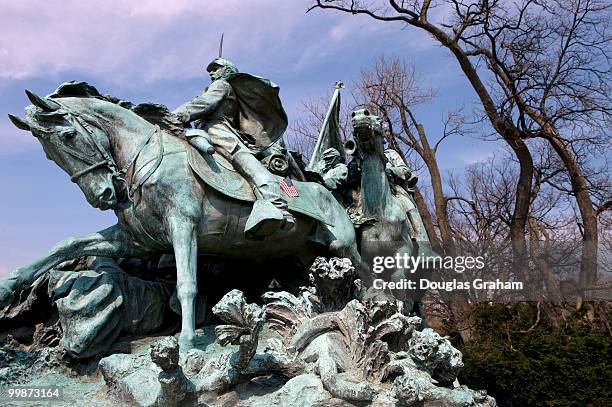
[[288, 187], [329, 135]]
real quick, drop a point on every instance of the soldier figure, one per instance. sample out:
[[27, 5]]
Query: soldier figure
[[216, 112], [402, 183], [333, 171], [398, 171]]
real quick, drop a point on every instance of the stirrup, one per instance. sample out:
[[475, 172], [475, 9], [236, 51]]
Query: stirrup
[[288, 221]]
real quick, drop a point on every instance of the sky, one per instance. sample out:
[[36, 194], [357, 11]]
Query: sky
[[153, 50]]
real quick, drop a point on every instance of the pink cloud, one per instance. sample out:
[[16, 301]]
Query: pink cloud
[[148, 40], [145, 39]]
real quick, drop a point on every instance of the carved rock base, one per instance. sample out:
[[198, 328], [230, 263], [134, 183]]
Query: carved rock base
[[322, 347]]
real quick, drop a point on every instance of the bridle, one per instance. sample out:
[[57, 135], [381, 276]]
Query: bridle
[[118, 174], [107, 160]]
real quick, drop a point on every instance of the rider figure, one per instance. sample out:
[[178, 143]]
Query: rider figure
[[333, 171], [403, 184], [216, 112], [398, 171]]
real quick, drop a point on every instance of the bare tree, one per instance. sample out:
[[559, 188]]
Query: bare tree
[[480, 218], [550, 70]]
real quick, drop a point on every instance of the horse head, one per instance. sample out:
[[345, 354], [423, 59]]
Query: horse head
[[76, 142], [367, 132]]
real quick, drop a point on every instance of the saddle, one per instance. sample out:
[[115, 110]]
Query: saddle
[[217, 172]]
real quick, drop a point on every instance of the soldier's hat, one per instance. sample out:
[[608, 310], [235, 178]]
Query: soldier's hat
[[331, 153], [217, 62]]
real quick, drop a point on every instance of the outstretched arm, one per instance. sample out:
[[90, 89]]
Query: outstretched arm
[[205, 104]]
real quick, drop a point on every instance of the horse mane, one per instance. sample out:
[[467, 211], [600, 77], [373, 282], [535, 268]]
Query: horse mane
[[152, 112]]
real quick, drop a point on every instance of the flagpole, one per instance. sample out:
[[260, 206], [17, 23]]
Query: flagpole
[[338, 85]]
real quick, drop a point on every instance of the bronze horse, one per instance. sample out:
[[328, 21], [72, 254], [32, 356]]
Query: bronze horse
[[397, 227], [98, 142]]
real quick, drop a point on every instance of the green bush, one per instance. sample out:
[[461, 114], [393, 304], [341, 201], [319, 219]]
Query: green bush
[[570, 366]]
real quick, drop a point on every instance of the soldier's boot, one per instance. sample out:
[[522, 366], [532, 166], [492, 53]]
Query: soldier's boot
[[269, 212], [199, 139], [201, 144]]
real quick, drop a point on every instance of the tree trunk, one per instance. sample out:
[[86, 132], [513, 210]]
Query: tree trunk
[[541, 256], [521, 209], [446, 234], [588, 265], [427, 220], [512, 136]]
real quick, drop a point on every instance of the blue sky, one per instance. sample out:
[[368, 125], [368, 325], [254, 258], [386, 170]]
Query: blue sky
[[152, 50]]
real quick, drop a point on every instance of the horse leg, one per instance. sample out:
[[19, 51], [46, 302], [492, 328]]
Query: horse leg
[[184, 240], [411, 300], [111, 242], [343, 243]]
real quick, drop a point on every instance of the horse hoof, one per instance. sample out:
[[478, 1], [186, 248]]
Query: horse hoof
[[186, 342]]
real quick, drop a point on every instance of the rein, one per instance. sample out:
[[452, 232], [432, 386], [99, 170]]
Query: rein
[[109, 162]]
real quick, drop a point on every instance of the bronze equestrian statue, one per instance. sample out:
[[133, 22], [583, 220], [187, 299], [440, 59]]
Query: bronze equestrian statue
[[375, 189], [168, 197]]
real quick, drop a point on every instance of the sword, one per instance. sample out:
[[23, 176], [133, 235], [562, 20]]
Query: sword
[[221, 46]]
